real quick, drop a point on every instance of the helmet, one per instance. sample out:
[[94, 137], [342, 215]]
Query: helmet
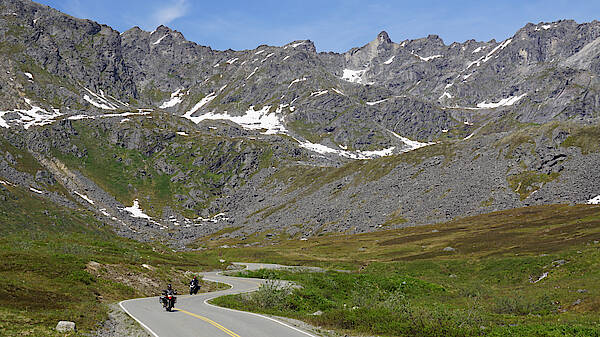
[[169, 286]]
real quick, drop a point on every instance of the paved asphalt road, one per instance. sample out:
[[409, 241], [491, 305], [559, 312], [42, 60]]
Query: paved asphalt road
[[194, 317]]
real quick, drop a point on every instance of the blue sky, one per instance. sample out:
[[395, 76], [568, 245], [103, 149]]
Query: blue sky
[[334, 25]]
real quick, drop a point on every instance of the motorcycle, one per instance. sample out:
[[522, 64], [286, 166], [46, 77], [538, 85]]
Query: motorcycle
[[168, 301], [193, 288]]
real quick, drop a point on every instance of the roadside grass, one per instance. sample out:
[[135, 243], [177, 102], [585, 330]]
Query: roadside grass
[[45, 253], [532, 271]]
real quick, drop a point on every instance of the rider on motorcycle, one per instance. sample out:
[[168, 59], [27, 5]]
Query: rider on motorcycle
[[166, 293], [194, 286], [169, 290]]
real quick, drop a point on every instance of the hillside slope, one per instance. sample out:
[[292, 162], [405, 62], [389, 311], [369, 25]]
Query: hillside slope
[[168, 140]]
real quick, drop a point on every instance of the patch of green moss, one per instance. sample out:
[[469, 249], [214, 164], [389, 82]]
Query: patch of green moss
[[586, 138], [527, 182]]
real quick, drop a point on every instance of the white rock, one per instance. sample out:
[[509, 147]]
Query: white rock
[[65, 326]]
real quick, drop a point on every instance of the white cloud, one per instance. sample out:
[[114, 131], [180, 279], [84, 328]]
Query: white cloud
[[173, 10]]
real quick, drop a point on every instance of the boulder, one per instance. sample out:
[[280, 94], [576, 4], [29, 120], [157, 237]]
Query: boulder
[[65, 326]]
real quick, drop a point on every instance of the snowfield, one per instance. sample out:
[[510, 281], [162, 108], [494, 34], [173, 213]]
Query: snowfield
[[377, 102], [35, 116], [428, 58], [343, 152], [503, 102], [296, 81], [594, 201], [319, 93], [251, 120], [176, 98], [412, 144], [141, 112], [84, 197], [207, 99], [135, 210], [353, 76]]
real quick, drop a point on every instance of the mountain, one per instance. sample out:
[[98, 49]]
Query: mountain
[[168, 140]]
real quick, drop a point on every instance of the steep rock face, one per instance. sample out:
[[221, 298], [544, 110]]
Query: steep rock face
[[166, 139], [82, 51], [164, 60]]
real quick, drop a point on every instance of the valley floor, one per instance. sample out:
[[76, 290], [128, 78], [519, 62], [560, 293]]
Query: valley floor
[[524, 272]]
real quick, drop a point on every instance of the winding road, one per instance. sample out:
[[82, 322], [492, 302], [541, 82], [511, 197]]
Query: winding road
[[193, 316]]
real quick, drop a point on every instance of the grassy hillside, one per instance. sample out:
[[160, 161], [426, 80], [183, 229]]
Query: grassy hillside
[[62, 264], [147, 160], [524, 272]]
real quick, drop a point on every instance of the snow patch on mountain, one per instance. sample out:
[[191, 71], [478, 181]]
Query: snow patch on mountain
[[29, 75], [343, 152], [322, 149], [267, 57], [428, 58], [377, 102], [445, 95], [390, 60], [319, 93], [503, 102], [160, 39], [35, 116], [296, 81], [207, 99], [215, 218], [253, 72], [411, 144], [594, 201], [36, 191], [487, 57], [141, 112], [98, 101], [353, 76], [251, 120], [176, 98], [84, 197], [135, 210], [545, 27], [338, 91], [232, 61]]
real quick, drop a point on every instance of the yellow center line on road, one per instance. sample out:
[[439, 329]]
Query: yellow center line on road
[[211, 322]]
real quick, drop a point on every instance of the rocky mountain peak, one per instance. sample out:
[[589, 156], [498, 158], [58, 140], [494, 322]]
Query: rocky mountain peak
[[383, 37], [305, 45], [161, 29]]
